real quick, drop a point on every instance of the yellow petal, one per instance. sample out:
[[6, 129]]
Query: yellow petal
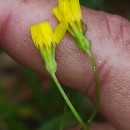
[[56, 13], [42, 34], [35, 35], [76, 10], [64, 11], [59, 32], [59, 1], [47, 33]]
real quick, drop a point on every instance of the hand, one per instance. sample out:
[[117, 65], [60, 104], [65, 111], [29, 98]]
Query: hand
[[110, 38]]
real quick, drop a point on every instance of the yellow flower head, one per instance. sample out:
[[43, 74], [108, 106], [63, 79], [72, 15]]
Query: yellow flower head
[[46, 40], [44, 37], [69, 13]]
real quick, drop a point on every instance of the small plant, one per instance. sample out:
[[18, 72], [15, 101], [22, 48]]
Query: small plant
[[69, 14]]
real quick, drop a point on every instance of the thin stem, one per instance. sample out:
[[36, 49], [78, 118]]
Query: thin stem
[[68, 102], [97, 88]]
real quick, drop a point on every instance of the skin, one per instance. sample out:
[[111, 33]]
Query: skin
[[110, 38]]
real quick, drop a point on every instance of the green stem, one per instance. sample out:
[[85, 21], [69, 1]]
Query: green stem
[[97, 88], [68, 101]]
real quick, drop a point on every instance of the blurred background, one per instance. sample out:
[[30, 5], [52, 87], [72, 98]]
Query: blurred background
[[31, 102]]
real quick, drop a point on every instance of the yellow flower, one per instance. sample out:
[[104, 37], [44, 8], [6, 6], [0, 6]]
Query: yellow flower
[[46, 40], [43, 35], [69, 13]]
